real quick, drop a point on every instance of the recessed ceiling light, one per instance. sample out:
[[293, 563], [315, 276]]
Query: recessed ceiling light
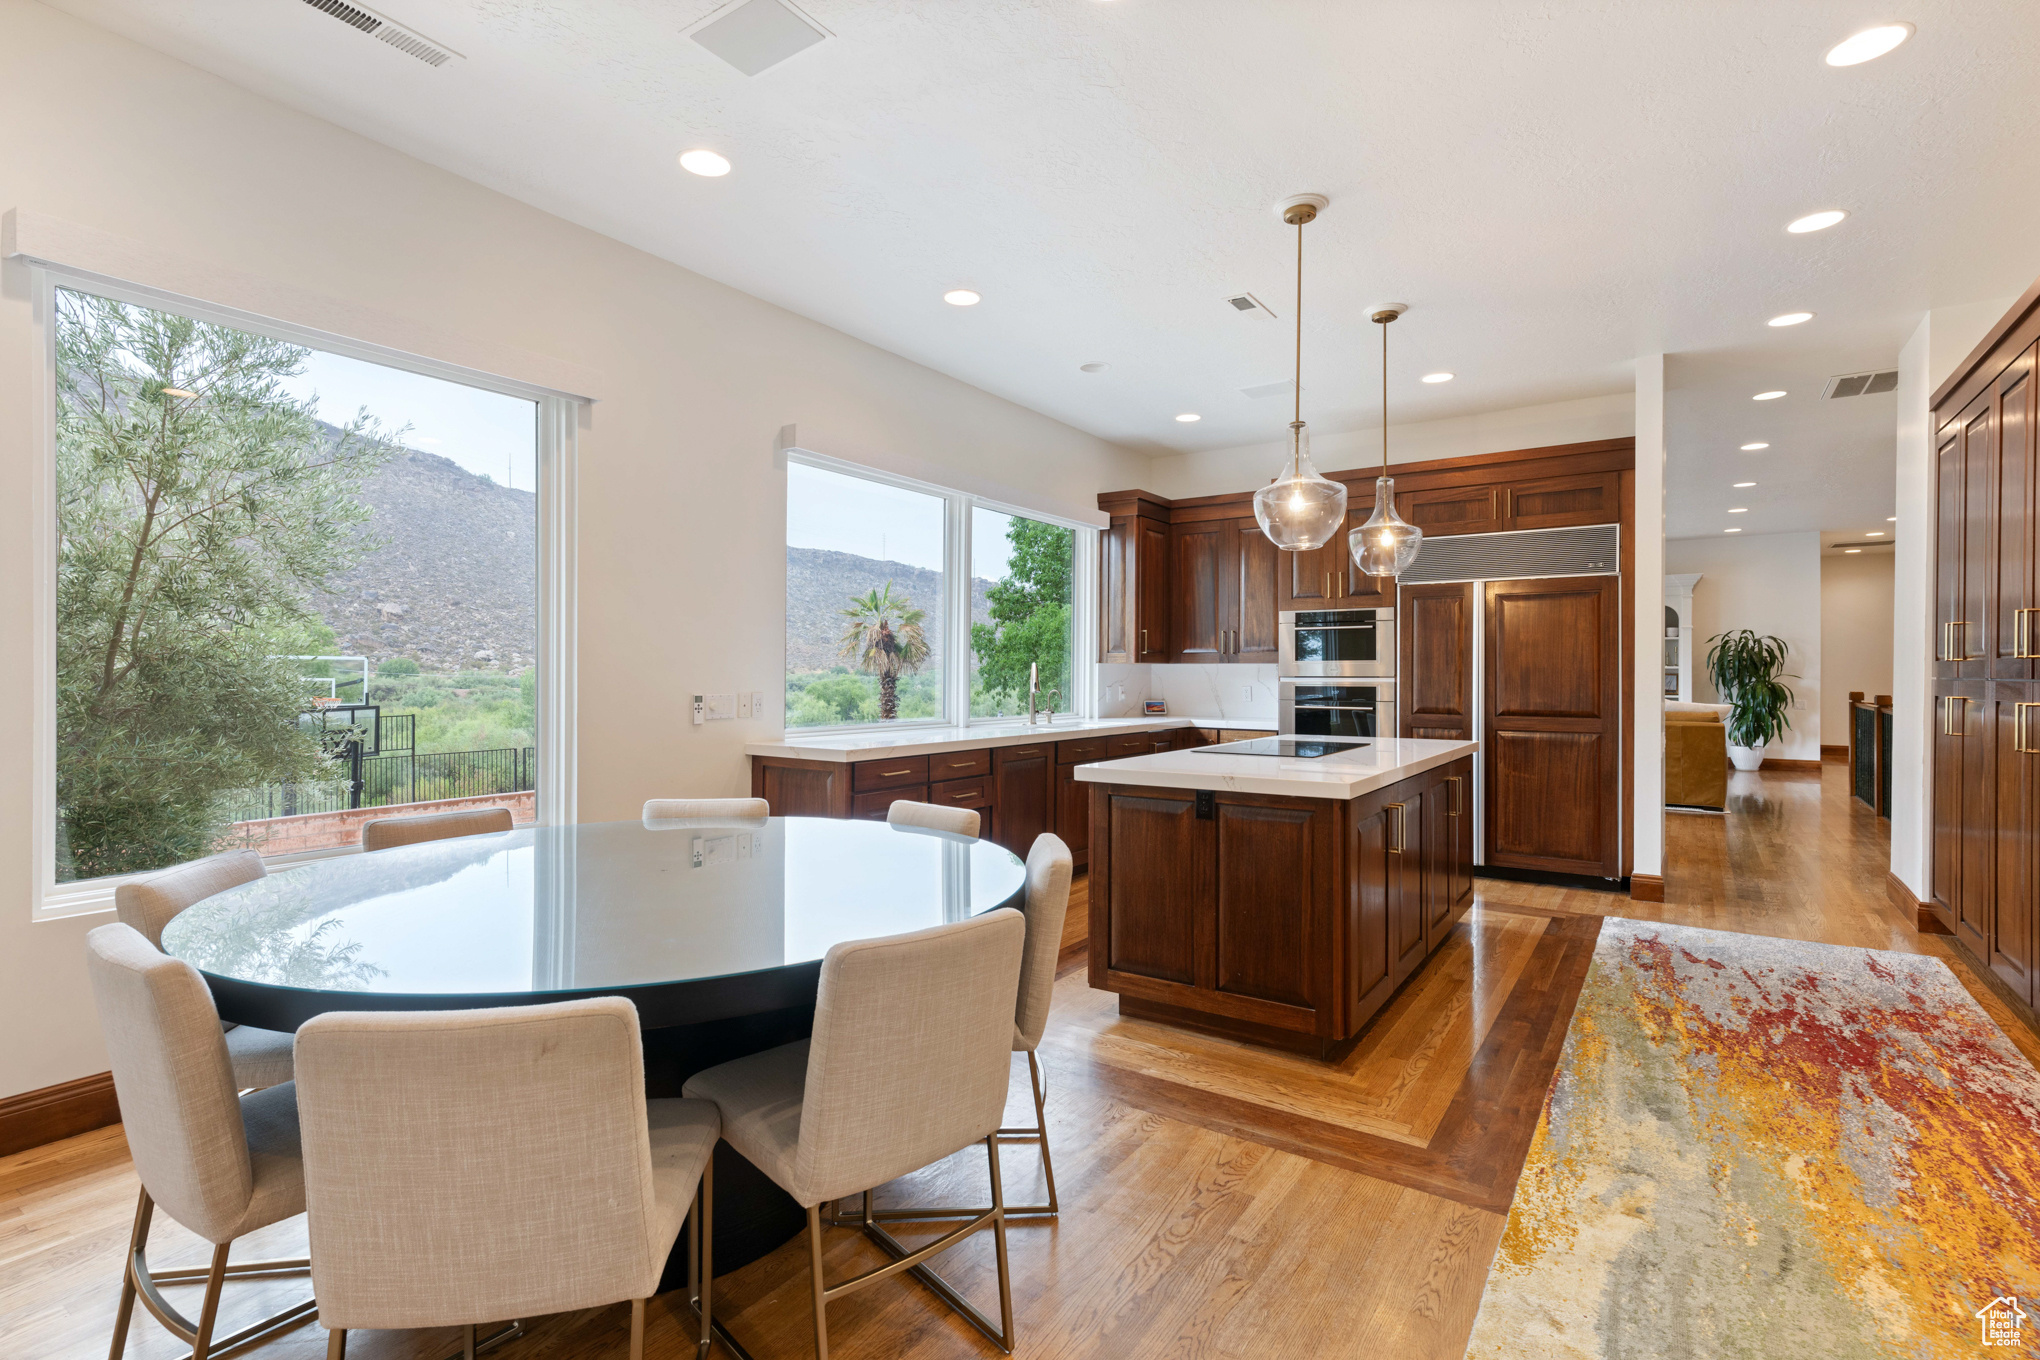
[[961, 297], [1092, 368], [1768, 396], [1731, 531], [1891, 519], [1875, 533], [1791, 318], [180, 392], [1868, 45], [1819, 221], [1740, 510], [1850, 550], [1189, 416], [1740, 485], [1438, 377], [704, 163], [1752, 448]]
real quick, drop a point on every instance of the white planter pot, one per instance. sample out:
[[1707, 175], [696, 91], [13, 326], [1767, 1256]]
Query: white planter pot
[[1746, 757]]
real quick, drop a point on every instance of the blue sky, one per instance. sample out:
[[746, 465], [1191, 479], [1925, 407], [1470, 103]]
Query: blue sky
[[484, 432], [849, 514]]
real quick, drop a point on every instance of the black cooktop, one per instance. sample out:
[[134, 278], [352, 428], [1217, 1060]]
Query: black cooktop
[[1293, 748]]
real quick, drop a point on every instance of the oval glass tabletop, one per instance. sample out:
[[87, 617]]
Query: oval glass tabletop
[[624, 908]]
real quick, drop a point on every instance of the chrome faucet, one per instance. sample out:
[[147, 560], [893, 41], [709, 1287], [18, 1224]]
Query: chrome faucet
[[1034, 692]]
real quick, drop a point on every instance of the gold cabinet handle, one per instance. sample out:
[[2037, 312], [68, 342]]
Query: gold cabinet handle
[[1328, 586], [888, 774], [1400, 839], [1953, 718], [2022, 635], [1143, 640], [2020, 728], [1455, 809]]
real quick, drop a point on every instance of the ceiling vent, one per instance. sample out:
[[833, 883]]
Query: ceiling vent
[[759, 34], [1246, 304], [1860, 384], [1273, 389], [410, 43]]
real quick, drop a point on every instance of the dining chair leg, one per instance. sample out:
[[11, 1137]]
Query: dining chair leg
[[999, 1236], [209, 1312], [467, 1342], [637, 1329], [336, 1344], [137, 1240], [1039, 1081], [704, 1254], [820, 1292]]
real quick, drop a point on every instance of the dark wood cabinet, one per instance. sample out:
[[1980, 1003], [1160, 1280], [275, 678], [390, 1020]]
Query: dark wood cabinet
[[1984, 877], [1073, 813], [1560, 502], [1223, 582], [1552, 701], [1133, 583], [1434, 635], [1443, 510], [1023, 791], [1255, 565], [1285, 921], [1325, 578]]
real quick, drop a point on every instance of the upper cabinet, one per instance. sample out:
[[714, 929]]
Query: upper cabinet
[[1325, 578], [1223, 584], [1133, 580]]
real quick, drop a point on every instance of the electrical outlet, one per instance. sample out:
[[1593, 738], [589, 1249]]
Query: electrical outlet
[[744, 704], [757, 703], [1247, 693]]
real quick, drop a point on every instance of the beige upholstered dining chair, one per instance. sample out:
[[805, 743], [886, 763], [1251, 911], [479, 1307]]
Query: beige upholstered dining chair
[[1049, 868], [386, 833], [470, 1166], [933, 817], [919, 1024], [221, 1164], [733, 809], [261, 1057]]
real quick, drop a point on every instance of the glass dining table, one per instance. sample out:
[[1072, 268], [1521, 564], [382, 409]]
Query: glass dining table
[[715, 930]]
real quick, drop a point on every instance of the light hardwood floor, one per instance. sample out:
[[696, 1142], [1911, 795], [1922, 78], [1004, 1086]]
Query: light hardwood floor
[[1220, 1200]]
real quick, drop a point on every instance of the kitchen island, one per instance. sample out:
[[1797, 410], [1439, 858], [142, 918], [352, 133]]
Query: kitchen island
[[1276, 899]]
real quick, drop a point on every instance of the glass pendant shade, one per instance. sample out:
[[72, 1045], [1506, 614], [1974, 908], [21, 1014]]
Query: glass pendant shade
[[1300, 509], [1386, 543]]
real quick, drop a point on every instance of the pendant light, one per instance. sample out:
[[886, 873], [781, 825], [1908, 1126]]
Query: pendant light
[[1387, 543], [1300, 510]]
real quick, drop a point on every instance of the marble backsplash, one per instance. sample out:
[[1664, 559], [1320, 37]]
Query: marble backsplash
[[1219, 691]]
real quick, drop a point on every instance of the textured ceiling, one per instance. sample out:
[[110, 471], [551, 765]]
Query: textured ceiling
[[1555, 188]]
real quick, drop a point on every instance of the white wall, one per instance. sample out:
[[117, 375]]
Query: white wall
[[1218, 471], [682, 566], [1647, 723], [1855, 634], [1769, 583]]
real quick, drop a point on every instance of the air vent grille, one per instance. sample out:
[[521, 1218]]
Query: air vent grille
[[1860, 384], [1591, 550], [1246, 304], [366, 20], [1273, 389]]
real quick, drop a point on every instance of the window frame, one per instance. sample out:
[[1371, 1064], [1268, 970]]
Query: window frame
[[559, 416], [956, 566]]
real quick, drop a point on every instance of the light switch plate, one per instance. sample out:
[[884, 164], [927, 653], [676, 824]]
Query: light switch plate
[[722, 707]]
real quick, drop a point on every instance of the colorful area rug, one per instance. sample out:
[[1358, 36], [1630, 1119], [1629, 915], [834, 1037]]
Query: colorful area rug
[[1757, 1147]]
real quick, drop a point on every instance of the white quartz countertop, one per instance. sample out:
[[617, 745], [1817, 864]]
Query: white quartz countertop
[[1347, 775], [917, 741]]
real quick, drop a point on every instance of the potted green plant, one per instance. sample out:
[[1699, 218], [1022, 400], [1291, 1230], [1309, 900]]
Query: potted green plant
[[1745, 670]]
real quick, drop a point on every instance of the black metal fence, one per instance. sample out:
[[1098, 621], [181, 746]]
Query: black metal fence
[[392, 780]]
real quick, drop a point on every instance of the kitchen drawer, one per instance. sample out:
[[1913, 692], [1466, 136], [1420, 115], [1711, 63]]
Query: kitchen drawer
[[1136, 744], [1080, 752], [963, 793], [959, 764], [1241, 734], [871, 807], [1002, 756], [869, 775]]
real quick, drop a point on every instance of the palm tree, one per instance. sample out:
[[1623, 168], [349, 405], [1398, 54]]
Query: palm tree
[[885, 639]]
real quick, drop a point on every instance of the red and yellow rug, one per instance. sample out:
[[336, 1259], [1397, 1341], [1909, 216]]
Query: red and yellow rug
[[1757, 1147]]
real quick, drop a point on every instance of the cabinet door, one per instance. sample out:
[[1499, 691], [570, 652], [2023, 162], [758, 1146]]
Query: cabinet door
[[1435, 864], [1305, 579], [1979, 825], [1156, 891], [1552, 706], [1116, 577], [1556, 502], [1370, 975], [2012, 926], [1024, 794], [1979, 542], [1435, 638], [1200, 629], [1948, 555], [1256, 564], [1072, 813], [1151, 590], [1408, 941], [1444, 510], [1270, 936], [2010, 644], [1947, 868], [1452, 850]]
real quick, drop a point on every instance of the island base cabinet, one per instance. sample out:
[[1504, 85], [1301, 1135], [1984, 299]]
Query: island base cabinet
[[1282, 921]]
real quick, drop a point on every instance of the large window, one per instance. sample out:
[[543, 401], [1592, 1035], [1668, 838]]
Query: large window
[[876, 573], [291, 586]]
